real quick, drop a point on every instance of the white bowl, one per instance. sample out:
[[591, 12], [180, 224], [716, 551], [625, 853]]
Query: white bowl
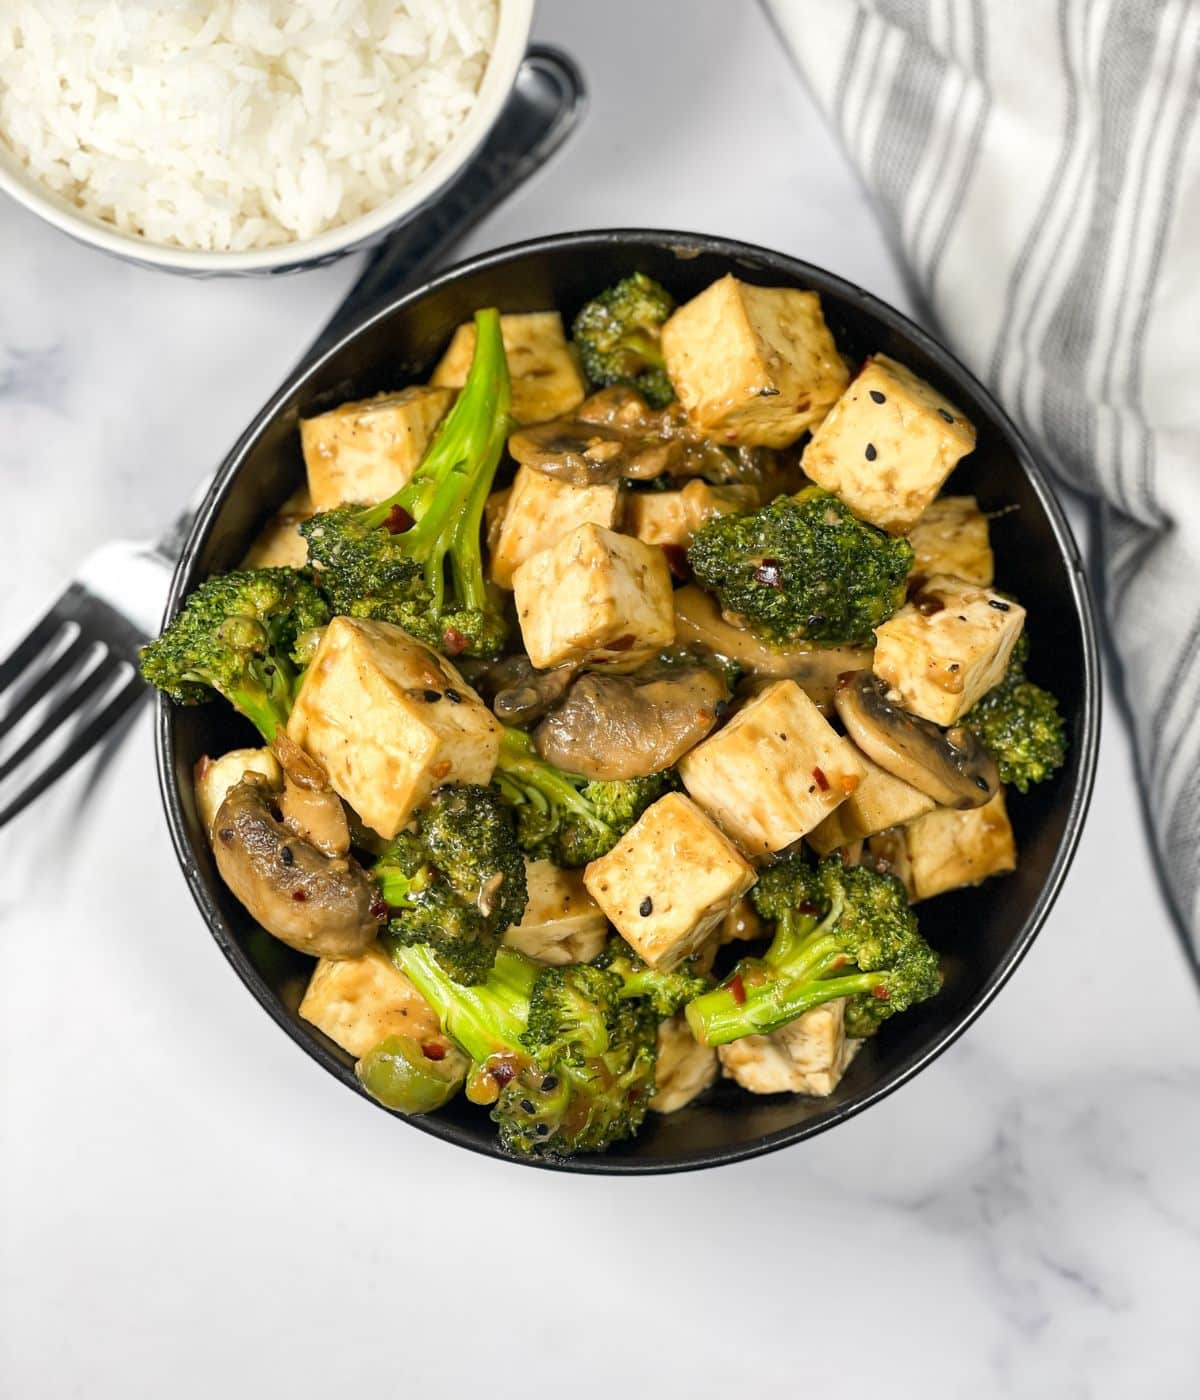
[[512, 38]]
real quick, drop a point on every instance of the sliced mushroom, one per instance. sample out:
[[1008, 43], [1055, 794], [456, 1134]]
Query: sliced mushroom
[[949, 765], [518, 693], [632, 725], [325, 905], [815, 668], [615, 434], [308, 805]]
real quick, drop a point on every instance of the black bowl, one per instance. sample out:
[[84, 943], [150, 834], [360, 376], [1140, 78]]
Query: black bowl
[[982, 934]]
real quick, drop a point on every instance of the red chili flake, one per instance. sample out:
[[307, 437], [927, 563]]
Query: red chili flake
[[398, 521], [928, 603], [677, 561], [769, 573], [379, 910], [453, 642], [820, 779], [502, 1072], [433, 1051], [839, 961], [737, 990], [299, 896], [622, 643], [880, 992]]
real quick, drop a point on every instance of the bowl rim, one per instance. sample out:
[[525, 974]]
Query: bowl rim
[[513, 25], [1081, 596]]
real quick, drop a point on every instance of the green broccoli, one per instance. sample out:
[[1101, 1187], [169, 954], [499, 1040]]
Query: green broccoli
[[827, 917], [390, 561], [1020, 725], [566, 1061], [803, 567], [617, 334], [455, 879], [561, 816], [245, 635], [666, 992]]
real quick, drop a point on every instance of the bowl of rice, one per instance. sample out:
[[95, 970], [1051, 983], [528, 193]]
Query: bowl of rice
[[246, 136]]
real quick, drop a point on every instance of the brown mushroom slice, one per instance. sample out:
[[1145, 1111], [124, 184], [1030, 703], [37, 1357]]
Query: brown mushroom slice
[[815, 668], [308, 805], [518, 693], [324, 905], [612, 727], [949, 765]]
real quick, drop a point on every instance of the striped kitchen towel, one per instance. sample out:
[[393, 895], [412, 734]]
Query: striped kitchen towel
[[1037, 165]]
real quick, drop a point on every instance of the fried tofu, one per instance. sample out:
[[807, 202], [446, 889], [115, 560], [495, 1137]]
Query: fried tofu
[[673, 517], [879, 801], [390, 720], [562, 923], [888, 444], [948, 849], [546, 379], [807, 1056], [213, 777], [279, 543], [684, 1068], [753, 365], [540, 511], [952, 538]]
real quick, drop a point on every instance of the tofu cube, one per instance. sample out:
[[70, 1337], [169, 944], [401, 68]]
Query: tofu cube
[[546, 378], [807, 1056], [280, 543], [363, 712], [887, 852], [878, 802], [669, 881], [562, 922], [494, 509], [753, 365], [213, 777], [947, 646], [673, 517], [366, 451], [594, 596], [948, 849], [540, 511], [889, 443], [360, 1001], [952, 538], [774, 772], [684, 1067]]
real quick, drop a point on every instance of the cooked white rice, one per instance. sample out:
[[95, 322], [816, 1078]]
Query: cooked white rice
[[236, 124]]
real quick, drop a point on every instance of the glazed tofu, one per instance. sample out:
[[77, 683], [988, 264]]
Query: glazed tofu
[[494, 509], [887, 852], [595, 596], [878, 802], [562, 922], [213, 777], [807, 1056], [366, 451], [540, 511], [774, 772], [684, 1068], [669, 881], [673, 517], [280, 543], [753, 365], [952, 538], [948, 849], [377, 709], [947, 646], [546, 379], [887, 446], [360, 1001]]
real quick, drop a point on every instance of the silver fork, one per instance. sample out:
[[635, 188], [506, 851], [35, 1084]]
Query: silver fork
[[74, 675]]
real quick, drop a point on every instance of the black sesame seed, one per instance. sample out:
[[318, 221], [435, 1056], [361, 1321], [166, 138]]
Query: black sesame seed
[[549, 1084], [542, 1129], [646, 907], [998, 605], [878, 397], [871, 454], [526, 1105], [432, 696], [721, 709], [949, 417], [953, 666], [982, 784], [286, 856], [453, 696]]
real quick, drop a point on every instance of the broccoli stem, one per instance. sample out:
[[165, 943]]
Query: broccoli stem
[[534, 776]]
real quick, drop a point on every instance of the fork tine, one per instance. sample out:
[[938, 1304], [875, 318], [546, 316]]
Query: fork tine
[[43, 683], [35, 641], [96, 679], [91, 733]]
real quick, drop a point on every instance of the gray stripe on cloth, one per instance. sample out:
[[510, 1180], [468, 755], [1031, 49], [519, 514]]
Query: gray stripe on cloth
[[908, 117]]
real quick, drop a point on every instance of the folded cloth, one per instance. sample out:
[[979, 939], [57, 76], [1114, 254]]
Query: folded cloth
[[1038, 168]]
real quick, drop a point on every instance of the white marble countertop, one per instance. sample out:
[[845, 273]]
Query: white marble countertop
[[188, 1207]]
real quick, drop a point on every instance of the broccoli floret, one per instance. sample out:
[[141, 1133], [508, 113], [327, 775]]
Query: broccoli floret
[[665, 992], [455, 879], [1020, 725], [245, 635], [391, 561], [828, 917], [566, 1061], [803, 567], [561, 816], [617, 334]]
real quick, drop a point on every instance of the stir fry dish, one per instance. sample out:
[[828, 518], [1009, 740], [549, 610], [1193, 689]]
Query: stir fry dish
[[619, 698]]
